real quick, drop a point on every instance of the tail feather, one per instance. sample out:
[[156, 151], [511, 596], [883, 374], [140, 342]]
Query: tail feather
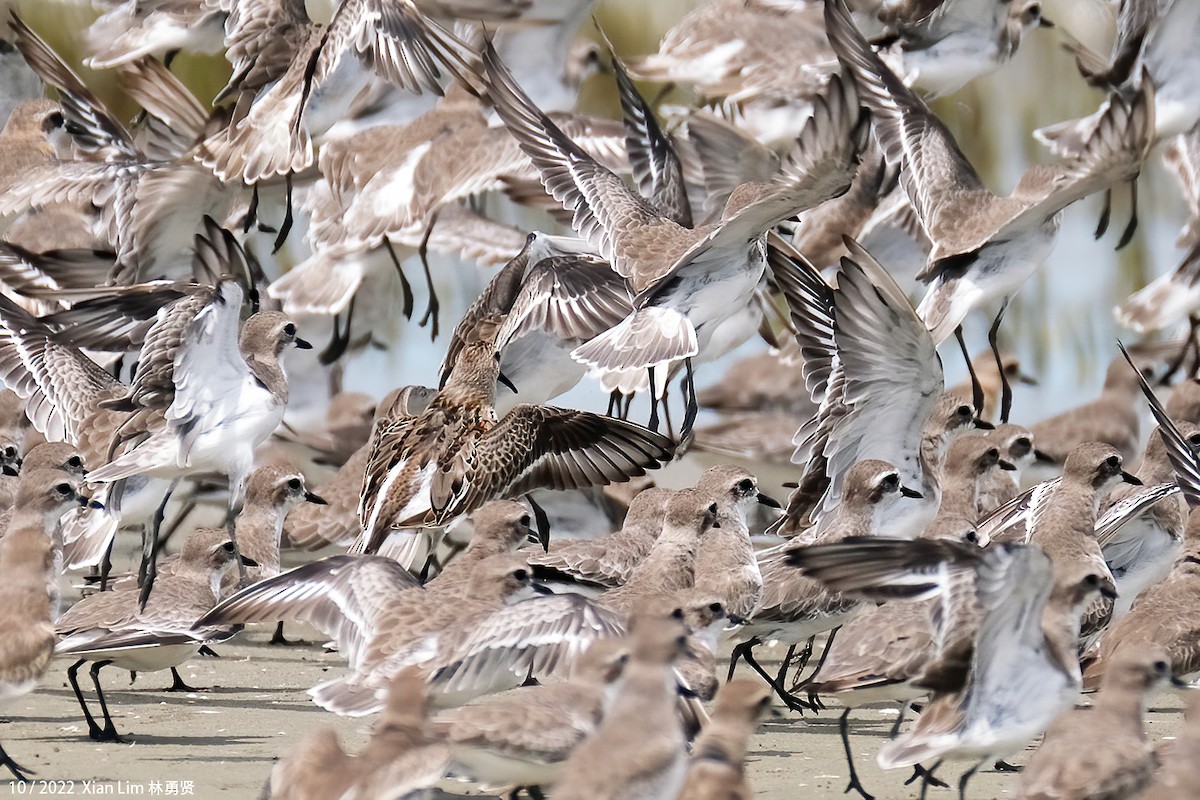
[[1164, 301], [649, 337]]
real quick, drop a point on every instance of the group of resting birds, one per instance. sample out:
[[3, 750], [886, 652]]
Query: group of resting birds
[[519, 603]]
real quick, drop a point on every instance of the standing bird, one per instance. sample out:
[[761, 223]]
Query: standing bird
[[716, 769]]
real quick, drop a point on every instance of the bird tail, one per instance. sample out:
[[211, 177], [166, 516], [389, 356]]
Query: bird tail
[[1165, 300], [649, 337]]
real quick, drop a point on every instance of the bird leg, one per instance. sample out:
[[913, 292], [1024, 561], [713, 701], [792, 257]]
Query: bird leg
[[1005, 386], [252, 210], [783, 665], [896, 729], [1105, 215], [278, 638], [339, 340], [18, 772], [1189, 343], [431, 308], [820, 663], [1131, 227], [976, 386], [405, 286], [736, 654], [286, 227], [614, 403], [692, 406], [178, 684], [966, 776], [148, 569], [789, 700], [109, 734], [652, 423], [94, 731], [927, 778], [855, 784]]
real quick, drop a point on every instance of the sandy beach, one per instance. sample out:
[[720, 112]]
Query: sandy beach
[[220, 742]]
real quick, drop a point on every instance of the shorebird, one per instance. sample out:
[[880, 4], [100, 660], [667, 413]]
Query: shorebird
[[685, 281], [426, 471], [1025, 646], [985, 247], [133, 30], [1111, 418], [404, 758], [310, 527], [1102, 751], [607, 562], [970, 462], [112, 628], [716, 768], [639, 749], [1018, 447], [501, 526], [873, 406], [725, 563], [523, 737], [795, 608], [988, 373], [47, 455], [26, 575]]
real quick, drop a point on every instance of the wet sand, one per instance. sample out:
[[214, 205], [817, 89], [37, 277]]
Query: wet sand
[[254, 708]]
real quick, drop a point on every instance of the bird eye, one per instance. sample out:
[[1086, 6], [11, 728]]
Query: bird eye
[[289, 329], [64, 489], [972, 537], [75, 462], [1161, 666], [716, 608], [746, 485], [1194, 440], [712, 509], [993, 454], [1114, 462], [227, 548], [1024, 442], [1092, 580], [965, 411], [525, 520], [294, 484], [521, 575], [677, 614], [891, 482], [10, 452], [1032, 13]]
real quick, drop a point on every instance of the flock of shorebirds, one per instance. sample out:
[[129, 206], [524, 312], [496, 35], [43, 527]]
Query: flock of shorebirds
[[517, 602]]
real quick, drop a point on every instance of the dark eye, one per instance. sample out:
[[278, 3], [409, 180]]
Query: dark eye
[[53, 121], [746, 485], [227, 548], [1032, 13], [294, 484], [10, 452], [525, 520], [64, 489], [712, 509], [521, 575], [716, 608], [965, 411], [1092, 580], [677, 614], [289, 329], [764, 702], [1114, 462], [993, 454], [1024, 442], [1194, 440], [972, 537], [75, 462], [890, 482]]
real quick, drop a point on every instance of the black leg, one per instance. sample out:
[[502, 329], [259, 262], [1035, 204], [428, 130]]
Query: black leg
[[692, 407], [652, 424], [976, 386], [1189, 343], [106, 564], [1105, 215], [339, 341], [1005, 387], [405, 286], [94, 731], [109, 734], [252, 211], [1131, 228], [148, 569], [614, 403], [178, 684], [736, 654], [205, 650], [18, 772], [784, 665], [286, 227], [962, 782], [431, 308], [820, 662], [855, 784], [896, 727], [278, 638], [928, 778], [789, 700]]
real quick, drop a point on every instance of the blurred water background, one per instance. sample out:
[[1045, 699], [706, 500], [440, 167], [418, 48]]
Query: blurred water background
[[1061, 324]]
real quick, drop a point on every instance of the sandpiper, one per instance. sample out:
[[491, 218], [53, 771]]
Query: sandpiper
[[717, 765]]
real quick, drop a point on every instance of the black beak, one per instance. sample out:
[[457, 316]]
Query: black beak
[[247, 560], [9, 469], [1043, 457], [1134, 479], [315, 498], [983, 424], [95, 504], [540, 589], [1044, 23], [302, 344], [1109, 591], [1179, 683], [504, 380], [769, 502], [734, 619], [542, 522], [83, 501], [1028, 380], [907, 492], [1007, 465]]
